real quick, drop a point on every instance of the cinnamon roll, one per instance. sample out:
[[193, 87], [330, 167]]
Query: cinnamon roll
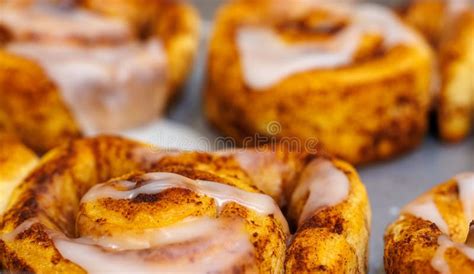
[[433, 234], [107, 204], [351, 75], [111, 72], [449, 26]]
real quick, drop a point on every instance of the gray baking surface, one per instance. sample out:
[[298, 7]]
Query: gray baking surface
[[390, 184]]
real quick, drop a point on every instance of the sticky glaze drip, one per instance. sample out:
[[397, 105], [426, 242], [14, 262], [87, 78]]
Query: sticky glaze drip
[[151, 154], [100, 84], [160, 181], [465, 183], [186, 230], [454, 7], [326, 184], [426, 209], [265, 169], [438, 261], [266, 58], [208, 246], [49, 24]]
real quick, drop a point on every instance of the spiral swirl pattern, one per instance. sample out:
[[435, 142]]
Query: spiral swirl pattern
[[110, 204]]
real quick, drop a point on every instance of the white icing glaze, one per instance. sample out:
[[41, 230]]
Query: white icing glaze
[[151, 154], [168, 134], [54, 24], [457, 6], [326, 184], [264, 168], [212, 245], [438, 261], [160, 181], [187, 230], [425, 208], [465, 183], [107, 88], [266, 58]]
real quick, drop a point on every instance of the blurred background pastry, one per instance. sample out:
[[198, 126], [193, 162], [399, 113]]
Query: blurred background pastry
[[41, 129], [16, 162], [351, 75], [449, 27], [115, 65]]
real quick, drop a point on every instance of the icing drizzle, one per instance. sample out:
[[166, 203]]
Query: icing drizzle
[[426, 209], [466, 194], [102, 81], [266, 58], [47, 23], [160, 181], [326, 184], [439, 263]]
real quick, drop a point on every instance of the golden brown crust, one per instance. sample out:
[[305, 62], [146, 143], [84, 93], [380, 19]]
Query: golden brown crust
[[66, 173], [411, 242], [368, 116], [30, 105]]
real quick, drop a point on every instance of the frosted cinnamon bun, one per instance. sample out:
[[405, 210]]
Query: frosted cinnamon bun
[[433, 233], [111, 74], [449, 26], [351, 75], [108, 204]]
